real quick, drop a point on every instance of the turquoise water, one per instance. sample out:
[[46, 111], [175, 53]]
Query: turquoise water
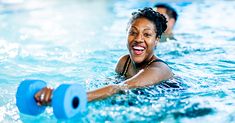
[[62, 41]]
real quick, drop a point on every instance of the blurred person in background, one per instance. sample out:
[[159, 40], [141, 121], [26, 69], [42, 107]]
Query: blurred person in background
[[171, 16]]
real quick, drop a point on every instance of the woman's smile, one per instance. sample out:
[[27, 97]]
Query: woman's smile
[[138, 49]]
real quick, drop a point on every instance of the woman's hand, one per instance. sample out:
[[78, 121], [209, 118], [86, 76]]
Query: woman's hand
[[43, 97]]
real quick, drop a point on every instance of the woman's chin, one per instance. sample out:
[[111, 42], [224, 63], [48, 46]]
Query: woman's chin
[[137, 60]]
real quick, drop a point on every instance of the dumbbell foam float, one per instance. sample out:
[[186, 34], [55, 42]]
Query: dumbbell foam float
[[68, 100]]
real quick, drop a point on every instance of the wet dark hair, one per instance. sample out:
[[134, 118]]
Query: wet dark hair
[[171, 12], [158, 19]]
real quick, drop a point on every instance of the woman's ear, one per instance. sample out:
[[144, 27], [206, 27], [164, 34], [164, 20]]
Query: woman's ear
[[156, 42]]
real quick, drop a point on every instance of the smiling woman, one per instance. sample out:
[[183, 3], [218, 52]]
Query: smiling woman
[[80, 41], [141, 67]]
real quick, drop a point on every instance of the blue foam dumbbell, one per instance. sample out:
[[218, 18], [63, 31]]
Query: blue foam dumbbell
[[25, 97], [68, 100]]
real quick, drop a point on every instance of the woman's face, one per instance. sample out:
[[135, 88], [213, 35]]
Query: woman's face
[[141, 40]]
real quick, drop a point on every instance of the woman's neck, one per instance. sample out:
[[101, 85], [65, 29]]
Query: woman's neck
[[144, 64]]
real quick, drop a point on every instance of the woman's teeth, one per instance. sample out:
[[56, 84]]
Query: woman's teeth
[[138, 48]]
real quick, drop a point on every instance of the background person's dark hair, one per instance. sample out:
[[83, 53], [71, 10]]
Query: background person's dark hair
[[171, 12], [158, 19]]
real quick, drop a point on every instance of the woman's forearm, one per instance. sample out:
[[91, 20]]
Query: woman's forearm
[[103, 92]]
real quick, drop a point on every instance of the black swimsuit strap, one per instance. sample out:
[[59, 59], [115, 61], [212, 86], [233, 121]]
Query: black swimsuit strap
[[128, 61], [156, 60], [126, 66], [159, 60]]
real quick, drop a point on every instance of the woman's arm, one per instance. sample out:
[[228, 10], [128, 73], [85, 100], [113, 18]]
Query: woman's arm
[[152, 75], [149, 76], [104, 92]]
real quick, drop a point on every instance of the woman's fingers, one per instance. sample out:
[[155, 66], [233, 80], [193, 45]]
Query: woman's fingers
[[37, 97], [47, 98], [43, 97]]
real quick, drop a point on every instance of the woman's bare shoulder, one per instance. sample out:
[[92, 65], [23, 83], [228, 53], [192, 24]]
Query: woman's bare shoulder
[[162, 70], [120, 64]]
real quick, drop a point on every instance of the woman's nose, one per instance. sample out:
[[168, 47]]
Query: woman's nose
[[139, 38]]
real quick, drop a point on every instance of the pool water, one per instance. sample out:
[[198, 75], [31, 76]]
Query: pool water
[[62, 41]]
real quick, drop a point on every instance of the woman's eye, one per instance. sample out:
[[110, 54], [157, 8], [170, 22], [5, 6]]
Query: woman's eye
[[147, 35], [132, 33]]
